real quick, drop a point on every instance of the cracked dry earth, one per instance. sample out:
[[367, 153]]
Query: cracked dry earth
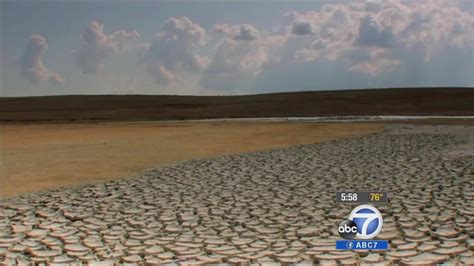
[[269, 207]]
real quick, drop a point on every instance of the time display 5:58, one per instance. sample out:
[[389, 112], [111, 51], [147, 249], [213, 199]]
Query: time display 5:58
[[348, 196], [371, 197]]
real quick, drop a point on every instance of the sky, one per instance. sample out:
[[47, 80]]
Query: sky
[[230, 48]]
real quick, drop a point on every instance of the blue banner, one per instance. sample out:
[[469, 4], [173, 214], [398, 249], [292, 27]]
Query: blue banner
[[361, 244]]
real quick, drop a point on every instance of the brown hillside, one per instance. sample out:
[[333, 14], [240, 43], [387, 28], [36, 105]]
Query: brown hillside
[[406, 101]]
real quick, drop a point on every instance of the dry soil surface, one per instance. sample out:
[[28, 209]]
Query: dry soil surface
[[272, 207], [42, 156]]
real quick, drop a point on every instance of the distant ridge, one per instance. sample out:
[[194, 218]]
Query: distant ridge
[[395, 101]]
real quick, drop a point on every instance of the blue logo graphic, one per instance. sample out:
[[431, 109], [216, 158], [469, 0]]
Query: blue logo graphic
[[368, 219], [362, 244], [350, 245]]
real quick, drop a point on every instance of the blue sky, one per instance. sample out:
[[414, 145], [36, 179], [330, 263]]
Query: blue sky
[[202, 48]]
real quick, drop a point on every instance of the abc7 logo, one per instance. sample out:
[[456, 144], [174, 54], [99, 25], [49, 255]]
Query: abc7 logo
[[364, 222]]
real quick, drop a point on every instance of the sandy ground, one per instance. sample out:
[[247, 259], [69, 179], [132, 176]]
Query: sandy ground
[[41, 156], [273, 207]]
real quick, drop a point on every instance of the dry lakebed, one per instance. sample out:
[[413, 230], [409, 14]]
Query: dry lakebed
[[267, 207]]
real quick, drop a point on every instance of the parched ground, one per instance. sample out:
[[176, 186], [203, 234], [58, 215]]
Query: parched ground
[[265, 207], [42, 156]]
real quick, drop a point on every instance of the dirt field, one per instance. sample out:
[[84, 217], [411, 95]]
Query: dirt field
[[266, 207], [43, 156]]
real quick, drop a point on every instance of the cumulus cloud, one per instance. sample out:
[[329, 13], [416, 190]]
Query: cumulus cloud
[[302, 27], [395, 43], [389, 32], [306, 55], [238, 53], [97, 45], [32, 66], [373, 33], [247, 33], [242, 32], [377, 43], [171, 52], [55, 79], [239, 56]]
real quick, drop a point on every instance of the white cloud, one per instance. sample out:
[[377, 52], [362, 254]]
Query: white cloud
[[302, 27], [377, 41], [239, 56], [55, 79], [97, 45], [32, 66], [306, 55], [365, 43], [242, 32], [378, 37], [171, 53], [373, 33], [388, 42]]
